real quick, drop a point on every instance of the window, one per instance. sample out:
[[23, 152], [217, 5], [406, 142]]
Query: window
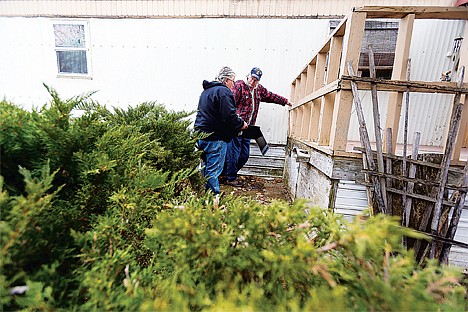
[[71, 48]]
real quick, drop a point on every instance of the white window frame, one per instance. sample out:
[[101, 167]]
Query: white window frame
[[86, 49]]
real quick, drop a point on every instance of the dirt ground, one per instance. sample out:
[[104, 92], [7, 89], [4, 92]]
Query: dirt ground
[[264, 190]]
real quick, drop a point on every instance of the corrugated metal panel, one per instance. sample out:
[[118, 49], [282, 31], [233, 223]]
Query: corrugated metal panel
[[459, 256], [351, 201], [196, 8], [428, 113]]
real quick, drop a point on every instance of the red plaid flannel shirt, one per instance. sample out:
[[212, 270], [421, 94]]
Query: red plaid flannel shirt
[[243, 97]]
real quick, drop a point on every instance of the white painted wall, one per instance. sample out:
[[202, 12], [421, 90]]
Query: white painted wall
[[163, 60]]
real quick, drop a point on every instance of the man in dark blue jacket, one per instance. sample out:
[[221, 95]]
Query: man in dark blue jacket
[[217, 116]]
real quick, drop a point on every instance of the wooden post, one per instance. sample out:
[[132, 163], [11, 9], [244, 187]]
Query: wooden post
[[454, 125], [314, 120], [405, 142], [291, 111], [366, 142], [297, 89], [411, 175], [316, 117], [307, 108], [463, 131], [389, 168], [310, 81], [303, 90], [377, 132], [352, 42], [405, 31], [456, 215]]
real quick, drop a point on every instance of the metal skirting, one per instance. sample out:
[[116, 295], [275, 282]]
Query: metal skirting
[[351, 201]]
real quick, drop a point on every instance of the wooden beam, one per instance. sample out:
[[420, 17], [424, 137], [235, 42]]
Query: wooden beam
[[334, 86], [352, 42], [365, 83], [405, 32], [420, 12], [463, 130]]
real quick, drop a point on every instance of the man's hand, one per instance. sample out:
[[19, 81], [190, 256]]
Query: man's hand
[[289, 104], [245, 126]]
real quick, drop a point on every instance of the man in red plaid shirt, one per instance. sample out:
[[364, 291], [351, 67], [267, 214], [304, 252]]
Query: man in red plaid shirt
[[248, 95]]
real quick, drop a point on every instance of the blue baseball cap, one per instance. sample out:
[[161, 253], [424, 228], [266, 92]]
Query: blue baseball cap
[[256, 73]]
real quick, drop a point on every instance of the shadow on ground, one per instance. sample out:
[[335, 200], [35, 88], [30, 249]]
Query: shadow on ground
[[263, 190]]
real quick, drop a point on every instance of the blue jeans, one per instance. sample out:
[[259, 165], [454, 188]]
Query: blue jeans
[[212, 166], [238, 151]]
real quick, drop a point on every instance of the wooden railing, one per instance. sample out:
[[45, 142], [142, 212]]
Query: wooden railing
[[321, 93]]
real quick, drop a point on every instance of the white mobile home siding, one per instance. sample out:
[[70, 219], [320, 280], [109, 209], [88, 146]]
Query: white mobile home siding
[[197, 8], [163, 60]]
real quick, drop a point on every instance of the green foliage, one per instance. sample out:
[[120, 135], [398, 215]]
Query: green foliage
[[105, 212]]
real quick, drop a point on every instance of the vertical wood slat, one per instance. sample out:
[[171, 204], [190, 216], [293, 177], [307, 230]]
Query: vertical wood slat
[[303, 85], [377, 132], [309, 88], [300, 115], [405, 31], [463, 130], [291, 112], [411, 175], [306, 121], [443, 173], [352, 42], [365, 141], [302, 109], [296, 90], [293, 92], [298, 125], [333, 70], [321, 65], [389, 169], [314, 120], [310, 78]]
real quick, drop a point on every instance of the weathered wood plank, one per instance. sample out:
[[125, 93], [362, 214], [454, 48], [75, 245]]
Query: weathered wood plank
[[443, 176], [333, 86], [366, 143], [365, 83], [420, 12]]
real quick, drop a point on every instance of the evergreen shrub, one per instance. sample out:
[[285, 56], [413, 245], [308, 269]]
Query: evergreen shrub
[[106, 211]]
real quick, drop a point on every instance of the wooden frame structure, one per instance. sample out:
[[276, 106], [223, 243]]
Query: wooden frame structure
[[322, 94]]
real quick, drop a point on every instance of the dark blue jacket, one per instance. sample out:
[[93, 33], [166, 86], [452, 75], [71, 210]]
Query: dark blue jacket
[[217, 112]]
